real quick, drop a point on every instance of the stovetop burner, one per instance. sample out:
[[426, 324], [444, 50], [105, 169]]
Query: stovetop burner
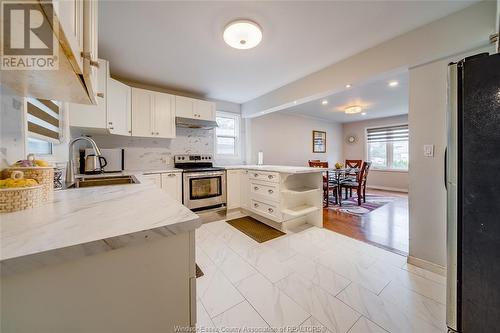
[[195, 163]]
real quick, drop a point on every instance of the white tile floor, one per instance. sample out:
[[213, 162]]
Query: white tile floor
[[312, 279]]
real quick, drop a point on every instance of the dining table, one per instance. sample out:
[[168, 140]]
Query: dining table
[[337, 175]]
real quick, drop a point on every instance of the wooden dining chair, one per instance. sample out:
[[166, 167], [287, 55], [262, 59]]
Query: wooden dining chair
[[359, 184], [352, 164], [328, 183]]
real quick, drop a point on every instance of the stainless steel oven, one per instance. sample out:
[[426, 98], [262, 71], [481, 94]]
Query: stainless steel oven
[[204, 186], [204, 189]]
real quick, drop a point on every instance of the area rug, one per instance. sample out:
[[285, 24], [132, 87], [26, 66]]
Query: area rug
[[350, 205], [254, 229]]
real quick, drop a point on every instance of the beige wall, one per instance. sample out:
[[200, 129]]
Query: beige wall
[[391, 180], [427, 194], [287, 139]]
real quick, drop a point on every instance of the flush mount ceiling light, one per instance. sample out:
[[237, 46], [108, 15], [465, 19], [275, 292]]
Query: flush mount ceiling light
[[348, 86], [393, 83], [242, 34], [352, 109], [363, 113], [324, 102]]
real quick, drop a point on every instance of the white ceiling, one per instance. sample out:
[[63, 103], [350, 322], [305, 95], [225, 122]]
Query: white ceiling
[[178, 45], [375, 96]]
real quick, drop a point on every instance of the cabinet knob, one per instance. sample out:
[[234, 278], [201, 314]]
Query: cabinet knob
[[111, 123], [94, 63], [152, 133], [255, 188], [111, 128], [157, 133], [256, 205], [270, 176], [100, 95], [171, 174], [270, 210], [270, 191], [256, 175], [130, 132]]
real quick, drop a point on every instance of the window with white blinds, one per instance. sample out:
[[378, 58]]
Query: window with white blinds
[[385, 134], [388, 147], [43, 117]]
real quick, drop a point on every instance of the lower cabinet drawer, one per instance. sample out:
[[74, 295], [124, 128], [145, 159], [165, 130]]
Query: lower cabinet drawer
[[267, 191], [268, 210], [265, 176]]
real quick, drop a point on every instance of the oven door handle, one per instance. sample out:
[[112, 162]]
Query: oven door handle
[[203, 174]]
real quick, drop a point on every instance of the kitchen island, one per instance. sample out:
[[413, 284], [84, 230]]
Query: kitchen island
[[280, 196], [100, 259]]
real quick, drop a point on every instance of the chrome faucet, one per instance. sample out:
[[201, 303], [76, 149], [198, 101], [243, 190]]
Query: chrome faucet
[[70, 170]]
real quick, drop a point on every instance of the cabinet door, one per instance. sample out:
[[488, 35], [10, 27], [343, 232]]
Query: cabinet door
[[172, 184], [142, 113], [233, 189], [164, 115], [244, 189], [92, 116], [90, 64], [119, 108], [70, 16], [184, 107], [204, 110], [152, 179]]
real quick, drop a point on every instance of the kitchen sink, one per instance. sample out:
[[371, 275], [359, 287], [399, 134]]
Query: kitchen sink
[[104, 181]]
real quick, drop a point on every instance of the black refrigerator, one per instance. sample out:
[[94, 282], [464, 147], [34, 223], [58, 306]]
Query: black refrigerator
[[472, 179]]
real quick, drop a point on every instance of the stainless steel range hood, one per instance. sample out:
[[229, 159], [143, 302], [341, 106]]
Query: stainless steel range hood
[[195, 123]]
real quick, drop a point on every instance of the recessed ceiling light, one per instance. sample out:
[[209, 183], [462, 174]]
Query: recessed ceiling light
[[393, 83], [294, 102], [242, 34], [324, 102], [363, 113], [352, 109], [348, 85]]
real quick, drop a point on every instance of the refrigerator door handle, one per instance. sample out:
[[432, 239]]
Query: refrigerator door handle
[[446, 167]]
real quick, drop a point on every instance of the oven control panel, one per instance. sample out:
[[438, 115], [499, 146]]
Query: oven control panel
[[202, 158]]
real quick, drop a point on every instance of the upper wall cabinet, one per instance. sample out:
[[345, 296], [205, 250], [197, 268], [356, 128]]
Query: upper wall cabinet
[[119, 108], [112, 114], [71, 26], [153, 114], [194, 108]]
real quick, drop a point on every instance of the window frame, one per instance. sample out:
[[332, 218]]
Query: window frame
[[389, 150], [237, 135]]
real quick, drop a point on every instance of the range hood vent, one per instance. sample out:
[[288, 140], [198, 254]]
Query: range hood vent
[[195, 123]]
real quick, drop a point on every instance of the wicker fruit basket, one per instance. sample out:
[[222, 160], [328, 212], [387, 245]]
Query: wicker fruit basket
[[43, 175], [14, 199]]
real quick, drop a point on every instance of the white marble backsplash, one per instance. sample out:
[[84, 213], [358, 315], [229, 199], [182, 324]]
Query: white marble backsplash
[[156, 153]]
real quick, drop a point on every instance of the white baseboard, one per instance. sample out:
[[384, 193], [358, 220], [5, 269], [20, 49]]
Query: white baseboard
[[427, 265], [386, 188]]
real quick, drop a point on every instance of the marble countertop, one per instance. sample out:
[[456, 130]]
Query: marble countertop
[[275, 168], [130, 173], [86, 215]]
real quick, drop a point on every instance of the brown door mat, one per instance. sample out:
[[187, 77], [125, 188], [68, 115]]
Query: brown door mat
[[199, 272], [254, 229]]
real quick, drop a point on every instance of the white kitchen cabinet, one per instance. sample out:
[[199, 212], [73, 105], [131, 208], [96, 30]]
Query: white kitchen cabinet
[[184, 107], [233, 180], [74, 80], [153, 178], [204, 110], [244, 186], [153, 114], [172, 184], [119, 108], [194, 108], [92, 116], [90, 40]]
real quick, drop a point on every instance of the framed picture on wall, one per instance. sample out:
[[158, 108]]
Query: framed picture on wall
[[319, 142]]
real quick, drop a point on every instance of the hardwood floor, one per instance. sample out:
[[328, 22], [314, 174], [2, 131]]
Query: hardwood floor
[[386, 227]]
